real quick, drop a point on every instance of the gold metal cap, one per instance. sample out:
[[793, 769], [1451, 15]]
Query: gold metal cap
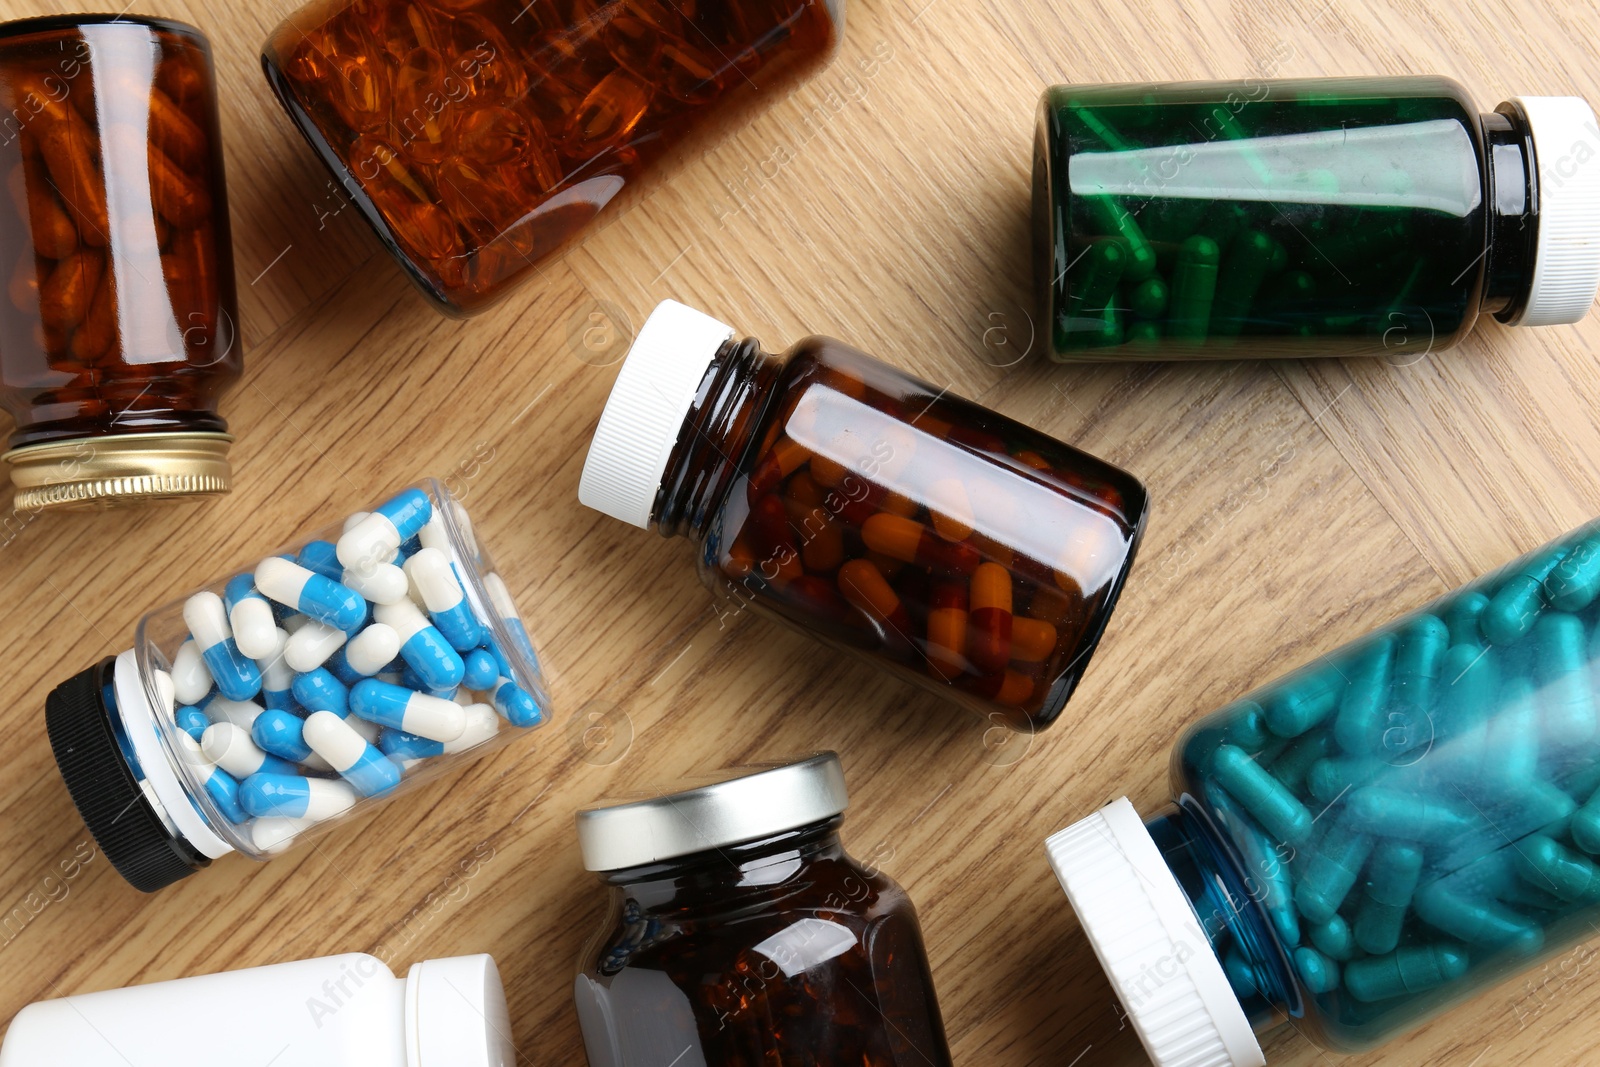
[[85, 473]]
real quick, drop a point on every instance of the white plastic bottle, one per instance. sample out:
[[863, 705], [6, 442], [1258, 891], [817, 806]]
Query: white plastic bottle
[[337, 1011]]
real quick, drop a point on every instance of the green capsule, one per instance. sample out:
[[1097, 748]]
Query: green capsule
[[1102, 129], [1329, 871], [1418, 660], [1318, 972], [1295, 764], [1149, 299], [1262, 795], [1110, 218], [1304, 701], [1248, 262], [1476, 920], [1193, 287], [1548, 865], [1575, 582], [1144, 333], [1224, 221], [1170, 219], [1329, 779], [1409, 816], [1391, 879], [1333, 938], [1562, 665], [1360, 723], [1413, 969], [1516, 605], [1291, 289], [1103, 264], [1462, 618]]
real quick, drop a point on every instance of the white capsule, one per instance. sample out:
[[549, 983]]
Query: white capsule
[[255, 630], [327, 797], [276, 674], [295, 623], [207, 619], [434, 579], [242, 713], [353, 521], [310, 646], [382, 583], [372, 540], [232, 749], [372, 649], [369, 731], [405, 617], [500, 596], [276, 833], [166, 692], [482, 724], [433, 535], [191, 678]]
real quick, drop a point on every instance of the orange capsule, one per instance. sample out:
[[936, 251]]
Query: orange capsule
[[950, 509], [779, 461], [189, 266], [183, 82], [180, 200], [1014, 689], [803, 489], [821, 538], [773, 538], [358, 90], [740, 561], [96, 336], [990, 647], [1032, 640], [50, 227], [24, 287], [863, 585], [421, 119], [607, 115], [1032, 459], [65, 296], [947, 630], [911, 542], [886, 566], [827, 471], [175, 133], [69, 150]]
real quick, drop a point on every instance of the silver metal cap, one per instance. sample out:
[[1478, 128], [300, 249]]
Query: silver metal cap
[[756, 803]]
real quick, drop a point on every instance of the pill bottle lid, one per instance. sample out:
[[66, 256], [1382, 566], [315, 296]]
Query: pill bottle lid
[[1150, 943], [1566, 266], [456, 1014], [644, 414], [125, 822], [746, 807], [83, 473]]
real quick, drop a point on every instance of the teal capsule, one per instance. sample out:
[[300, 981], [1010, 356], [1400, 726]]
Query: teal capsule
[[1584, 826], [1359, 726], [1468, 687], [1462, 618], [1333, 938], [1409, 816], [1410, 970], [1330, 779], [1329, 871], [1418, 659], [1109, 218], [1294, 765], [1247, 264], [1562, 665], [1247, 727], [1241, 976], [1149, 299], [1575, 582], [1304, 701], [1318, 972], [1549, 866], [1193, 286], [1475, 920], [1391, 879], [1516, 605], [1262, 795]]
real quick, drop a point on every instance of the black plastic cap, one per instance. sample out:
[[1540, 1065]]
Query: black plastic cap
[[123, 822]]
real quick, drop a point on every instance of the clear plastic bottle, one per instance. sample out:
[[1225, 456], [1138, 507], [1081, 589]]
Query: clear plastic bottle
[[964, 551], [336, 1011], [120, 333], [740, 933], [294, 692], [1372, 839], [1317, 217]]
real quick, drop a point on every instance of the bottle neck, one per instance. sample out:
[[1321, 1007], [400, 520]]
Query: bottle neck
[[1512, 204], [1236, 909], [717, 432]]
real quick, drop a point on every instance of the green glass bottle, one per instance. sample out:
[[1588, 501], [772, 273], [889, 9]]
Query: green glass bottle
[[1319, 217]]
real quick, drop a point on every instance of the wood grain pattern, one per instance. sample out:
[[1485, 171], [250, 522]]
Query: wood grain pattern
[[884, 202]]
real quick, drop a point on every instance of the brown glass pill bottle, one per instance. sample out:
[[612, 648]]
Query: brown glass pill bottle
[[960, 549], [740, 933], [118, 335], [479, 138]]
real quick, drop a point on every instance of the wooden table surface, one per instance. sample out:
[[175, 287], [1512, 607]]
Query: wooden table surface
[[884, 202]]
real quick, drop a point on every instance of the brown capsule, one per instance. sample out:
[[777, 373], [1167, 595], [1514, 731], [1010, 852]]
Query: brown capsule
[[93, 340], [51, 228], [69, 150], [607, 115], [178, 199], [65, 295], [24, 287], [183, 82], [175, 133]]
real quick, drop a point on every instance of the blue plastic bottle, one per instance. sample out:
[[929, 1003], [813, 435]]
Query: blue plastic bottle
[[1372, 839]]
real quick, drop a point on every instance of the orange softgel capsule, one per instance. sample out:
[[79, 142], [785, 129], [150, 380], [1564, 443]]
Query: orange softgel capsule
[[120, 334], [821, 469], [554, 108]]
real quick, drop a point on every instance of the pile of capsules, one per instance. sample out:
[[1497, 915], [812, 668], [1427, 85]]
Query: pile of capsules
[[320, 679], [1425, 804]]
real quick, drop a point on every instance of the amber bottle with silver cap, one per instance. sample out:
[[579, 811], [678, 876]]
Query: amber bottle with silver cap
[[738, 922], [119, 333]]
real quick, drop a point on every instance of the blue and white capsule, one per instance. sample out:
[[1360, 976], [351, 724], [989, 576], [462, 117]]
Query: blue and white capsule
[[230, 747], [514, 703], [381, 583], [242, 713], [293, 796], [406, 749], [191, 678], [277, 678], [367, 653], [191, 720], [399, 708], [482, 670], [322, 557], [220, 786], [255, 628], [278, 733], [316, 595], [436, 583], [319, 690], [422, 646], [500, 597], [378, 537], [236, 675], [355, 759], [310, 646]]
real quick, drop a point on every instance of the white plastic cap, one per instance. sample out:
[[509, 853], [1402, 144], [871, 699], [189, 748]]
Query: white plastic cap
[[1566, 266], [1150, 943], [456, 1015], [646, 409]]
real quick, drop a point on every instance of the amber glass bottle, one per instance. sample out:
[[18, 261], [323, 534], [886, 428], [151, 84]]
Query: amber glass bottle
[[478, 138], [740, 934], [962, 550], [119, 335]]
